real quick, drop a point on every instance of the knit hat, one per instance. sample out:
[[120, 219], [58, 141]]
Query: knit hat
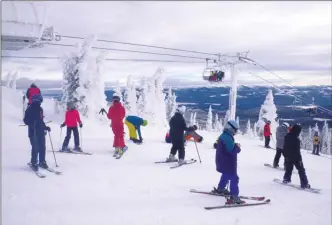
[[145, 122], [181, 109]]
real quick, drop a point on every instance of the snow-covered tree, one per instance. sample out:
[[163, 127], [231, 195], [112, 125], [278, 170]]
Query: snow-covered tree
[[217, 124], [130, 98], [325, 137], [194, 120], [268, 112], [117, 90], [171, 104], [13, 80], [249, 132], [255, 130], [227, 116], [76, 77], [209, 120], [140, 104]]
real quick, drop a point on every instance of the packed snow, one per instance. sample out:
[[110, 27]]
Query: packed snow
[[99, 189]]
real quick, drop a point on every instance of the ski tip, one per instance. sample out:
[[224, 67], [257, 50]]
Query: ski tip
[[268, 200], [192, 190]]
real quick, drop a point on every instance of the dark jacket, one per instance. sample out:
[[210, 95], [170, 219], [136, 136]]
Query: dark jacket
[[226, 154], [34, 118], [292, 145], [280, 136], [178, 127]]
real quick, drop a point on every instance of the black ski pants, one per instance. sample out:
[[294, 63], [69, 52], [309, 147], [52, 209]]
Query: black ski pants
[[38, 148], [68, 135], [279, 152], [315, 149], [178, 145], [300, 168], [267, 141]]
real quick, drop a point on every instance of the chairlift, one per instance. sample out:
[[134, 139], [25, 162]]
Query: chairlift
[[22, 26], [311, 108], [213, 74]]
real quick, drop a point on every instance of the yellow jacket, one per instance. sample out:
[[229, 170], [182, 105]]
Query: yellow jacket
[[316, 140]]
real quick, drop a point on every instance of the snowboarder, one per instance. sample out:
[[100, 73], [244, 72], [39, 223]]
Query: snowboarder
[[72, 117], [116, 114], [267, 134], [177, 127], [292, 153], [32, 90], [226, 163], [34, 118], [280, 137], [316, 143], [134, 124]]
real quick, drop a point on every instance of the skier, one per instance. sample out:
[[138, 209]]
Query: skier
[[226, 163], [116, 114], [316, 143], [134, 124], [177, 127], [32, 90], [72, 117], [267, 134], [280, 137], [34, 118], [292, 153]]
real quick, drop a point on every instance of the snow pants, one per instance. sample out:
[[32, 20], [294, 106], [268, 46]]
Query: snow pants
[[279, 152], [118, 131], [38, 148], [132, 130], [234, 183], [315, 150], [300, 168], [178, 145], [68, 136], [267, 141]]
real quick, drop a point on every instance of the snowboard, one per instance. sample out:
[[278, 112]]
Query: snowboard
[[277, 168], [312, 190]]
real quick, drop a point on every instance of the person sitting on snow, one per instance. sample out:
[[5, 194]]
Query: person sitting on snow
[[34, 118], [134, 124], [192, 134], [72, 117]]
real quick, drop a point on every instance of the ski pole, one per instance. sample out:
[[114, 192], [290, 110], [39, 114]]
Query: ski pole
[[23, 125], [198, 153], [60, 137], [81, 137], [56, 164]]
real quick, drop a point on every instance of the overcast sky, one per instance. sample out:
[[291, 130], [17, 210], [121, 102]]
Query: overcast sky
[[291, 38]]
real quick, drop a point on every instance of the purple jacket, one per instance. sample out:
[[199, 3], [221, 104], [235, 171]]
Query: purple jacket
[[226, 154]]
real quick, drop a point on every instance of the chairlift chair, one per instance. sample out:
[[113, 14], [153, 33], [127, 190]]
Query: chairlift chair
[[213, 74]]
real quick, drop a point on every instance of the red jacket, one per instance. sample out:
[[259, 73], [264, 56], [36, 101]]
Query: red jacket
[[31, 92], [71, 118], [267, 130], [116, 113]]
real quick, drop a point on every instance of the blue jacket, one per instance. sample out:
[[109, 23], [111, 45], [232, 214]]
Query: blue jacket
[[34, 118], [137, 122], [226, 154]]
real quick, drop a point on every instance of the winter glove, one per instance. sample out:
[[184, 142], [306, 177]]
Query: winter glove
[[62, 125], [102, 111], [81, 125], [48, 129]]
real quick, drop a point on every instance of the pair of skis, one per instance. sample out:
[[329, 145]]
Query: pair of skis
[[261, 200], [42, 175], [73, 152], [186, 162], [118, 155]]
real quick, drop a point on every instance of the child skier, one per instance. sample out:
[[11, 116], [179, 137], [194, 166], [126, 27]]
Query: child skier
[[177, 127], [116, 114], [316, 143], [226, 163], [34, 118], [280, 137], [134, 124], [267, 134], [71, 119], [293, 156]]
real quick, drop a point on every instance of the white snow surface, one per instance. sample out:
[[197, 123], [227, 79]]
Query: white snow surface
[[101, 190]]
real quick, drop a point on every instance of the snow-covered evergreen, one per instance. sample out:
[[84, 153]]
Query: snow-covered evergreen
[[249, 132], [209, 120], [118, 91], [267, 112], [171, 104], [130, 98], [217, 123], [325, 137]]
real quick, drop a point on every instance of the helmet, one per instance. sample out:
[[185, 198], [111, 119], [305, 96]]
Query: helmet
[[115, 97], [71, 105], [269, 122], [33, 85], [285, 124], [232, 126], [181, 109], [37, 99], [145, 122]]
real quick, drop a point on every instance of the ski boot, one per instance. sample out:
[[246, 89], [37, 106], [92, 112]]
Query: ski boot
[[65, 149], [33, 166], [78, 149], [182, 161], [286, 181], [305, 186], [116, 152], [171, 158], [220, 192], [275, 165], [233, 200], [43, 165]]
